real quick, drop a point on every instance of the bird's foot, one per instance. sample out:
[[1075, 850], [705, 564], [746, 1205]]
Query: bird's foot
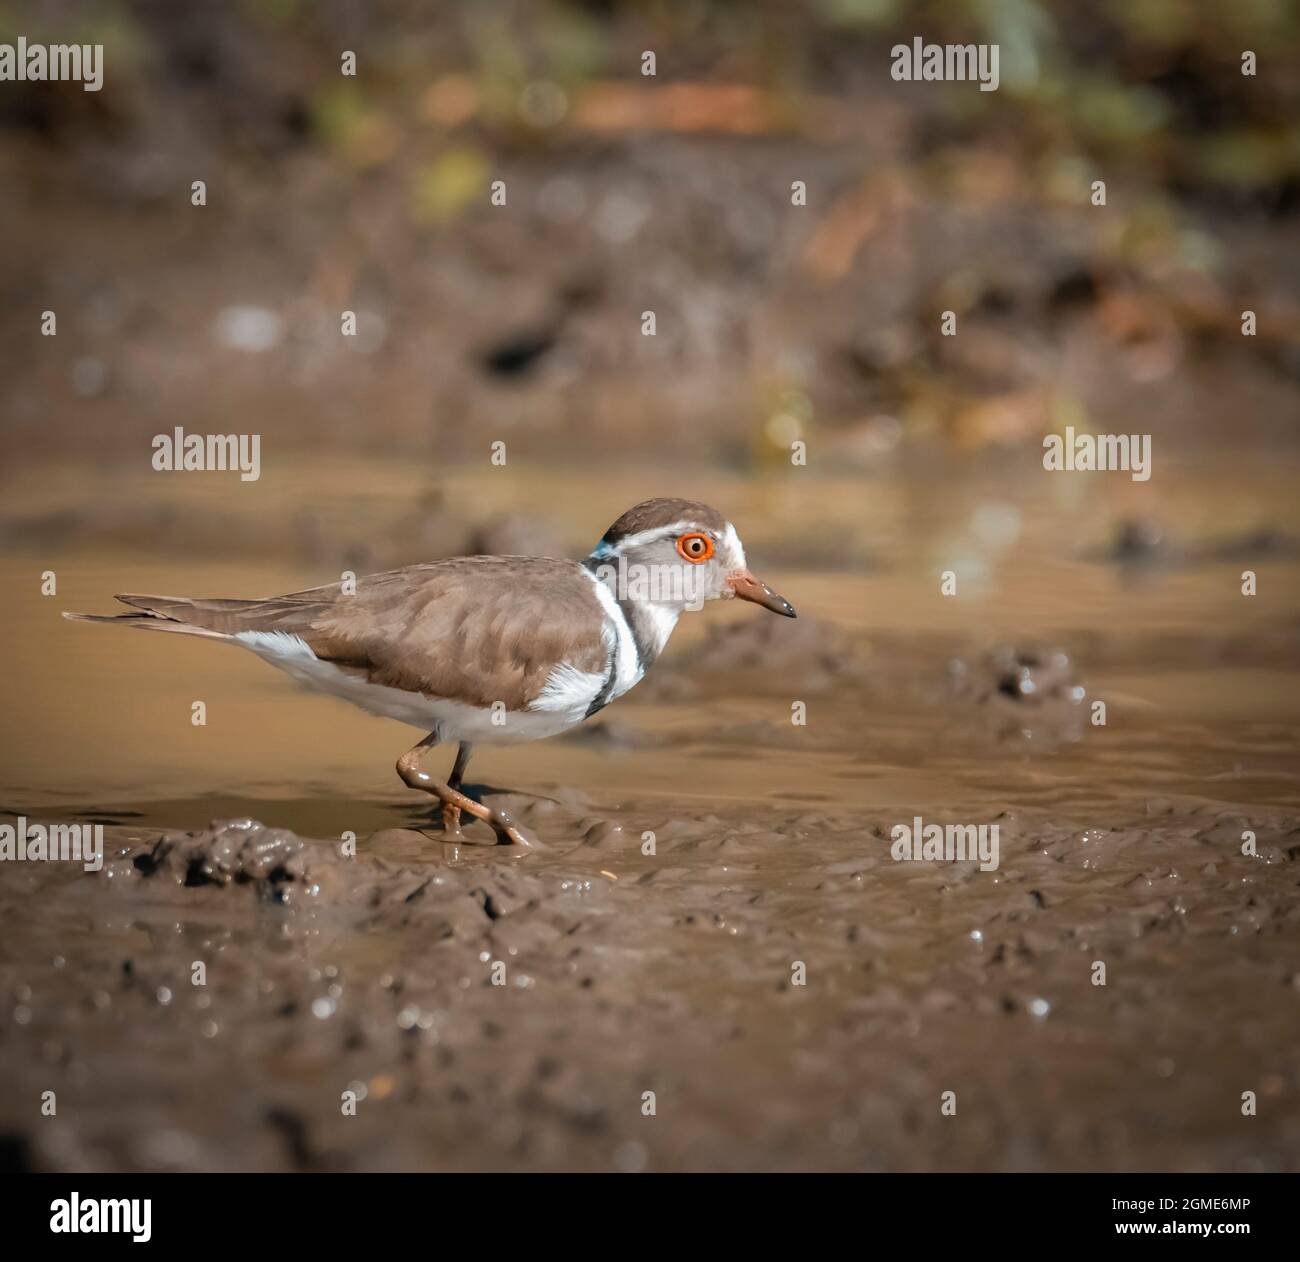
[[508, 831]]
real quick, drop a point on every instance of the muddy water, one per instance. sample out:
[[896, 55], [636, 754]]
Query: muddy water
[[674, 973]]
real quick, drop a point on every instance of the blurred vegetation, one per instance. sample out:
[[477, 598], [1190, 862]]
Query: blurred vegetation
[[928, 197], [1156, 81]]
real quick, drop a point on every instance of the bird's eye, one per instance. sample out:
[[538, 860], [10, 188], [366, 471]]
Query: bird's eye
[[695, 547]]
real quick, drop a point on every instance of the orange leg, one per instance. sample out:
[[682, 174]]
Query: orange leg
[[449, 794]]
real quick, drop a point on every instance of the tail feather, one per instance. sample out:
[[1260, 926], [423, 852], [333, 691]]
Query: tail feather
[[217, 618], [187, 608], [146, 622], [290, 614]]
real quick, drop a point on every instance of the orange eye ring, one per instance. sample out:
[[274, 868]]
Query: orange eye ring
[[695, 547]]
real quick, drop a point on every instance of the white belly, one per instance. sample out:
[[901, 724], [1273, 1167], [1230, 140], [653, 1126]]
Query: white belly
[[563, 702]]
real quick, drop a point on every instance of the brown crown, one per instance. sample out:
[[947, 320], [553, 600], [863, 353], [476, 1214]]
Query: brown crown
[[651, 514]]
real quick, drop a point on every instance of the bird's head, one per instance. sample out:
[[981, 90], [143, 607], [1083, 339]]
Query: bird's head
[[679, 553]]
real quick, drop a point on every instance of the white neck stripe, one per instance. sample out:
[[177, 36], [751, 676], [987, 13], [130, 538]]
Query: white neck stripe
[[625, 663]]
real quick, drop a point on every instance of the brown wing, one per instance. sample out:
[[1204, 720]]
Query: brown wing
[[470, 629]]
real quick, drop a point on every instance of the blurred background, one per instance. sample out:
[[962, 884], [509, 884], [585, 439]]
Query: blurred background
[[775, 323], [628, 193]]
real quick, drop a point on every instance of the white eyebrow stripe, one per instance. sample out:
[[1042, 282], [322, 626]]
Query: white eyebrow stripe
[[653, 536]]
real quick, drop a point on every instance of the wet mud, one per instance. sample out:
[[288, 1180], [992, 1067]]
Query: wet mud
[[509, 1013]]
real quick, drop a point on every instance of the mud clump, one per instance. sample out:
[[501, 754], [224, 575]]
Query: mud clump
[[238, 852], [1024, 693], [292, 872], [1033, 678]]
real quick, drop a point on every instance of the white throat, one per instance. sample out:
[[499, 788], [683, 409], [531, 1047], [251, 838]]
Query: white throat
[[644, 625], [658, 619]]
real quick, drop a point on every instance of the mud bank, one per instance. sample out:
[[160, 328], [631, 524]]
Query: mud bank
[[622, 973]]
